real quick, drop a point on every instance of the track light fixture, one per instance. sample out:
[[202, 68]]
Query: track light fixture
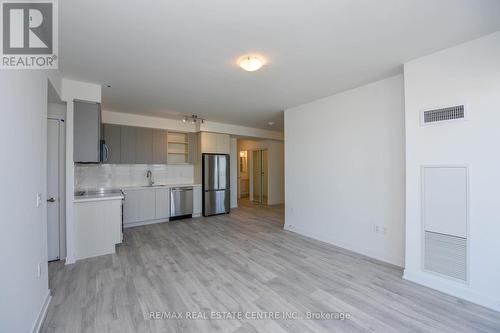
[[193, 119]]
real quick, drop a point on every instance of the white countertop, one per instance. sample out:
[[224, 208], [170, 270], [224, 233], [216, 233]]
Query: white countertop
[[119, 196], [157, 186], [98, 197]]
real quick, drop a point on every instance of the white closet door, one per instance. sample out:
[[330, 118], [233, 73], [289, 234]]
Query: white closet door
[[445, 200]]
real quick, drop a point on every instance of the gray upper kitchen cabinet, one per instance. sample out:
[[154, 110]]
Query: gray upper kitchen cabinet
[[193, 148], [144, 146], [86, 132], [112, 139], [128, 138], [159, 146], [140, 145]]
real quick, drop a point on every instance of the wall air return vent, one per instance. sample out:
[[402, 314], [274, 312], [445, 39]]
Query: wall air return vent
[[446, 255], [443, 114]]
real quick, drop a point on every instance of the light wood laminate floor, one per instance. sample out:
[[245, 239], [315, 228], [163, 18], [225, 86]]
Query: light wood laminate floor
[[246, 263]]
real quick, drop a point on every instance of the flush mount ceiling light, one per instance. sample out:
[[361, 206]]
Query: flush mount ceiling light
[[250, 63], [193, 119]]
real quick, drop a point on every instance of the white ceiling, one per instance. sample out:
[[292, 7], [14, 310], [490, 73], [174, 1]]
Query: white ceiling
[[168, 58]]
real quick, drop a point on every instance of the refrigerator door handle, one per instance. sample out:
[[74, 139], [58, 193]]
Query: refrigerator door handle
[[218, 173]]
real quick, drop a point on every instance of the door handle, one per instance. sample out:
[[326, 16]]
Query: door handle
[[106, 149], [51, 200]]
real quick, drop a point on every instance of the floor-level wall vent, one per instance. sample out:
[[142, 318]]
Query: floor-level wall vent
[[445, 254]]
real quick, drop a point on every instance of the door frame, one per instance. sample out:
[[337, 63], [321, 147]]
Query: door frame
[[250, 174], [62, 183], [247, 162]]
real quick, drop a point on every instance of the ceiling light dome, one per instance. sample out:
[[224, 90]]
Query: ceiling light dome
[[250, 63]]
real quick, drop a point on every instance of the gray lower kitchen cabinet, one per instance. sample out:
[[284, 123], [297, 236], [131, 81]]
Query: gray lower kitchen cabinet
[[131, 207], [112, 139], [128, 139], [139, 205], [146, 204], [144, 146], [197, 201], [86, 132], [162, 196], [159, 146]]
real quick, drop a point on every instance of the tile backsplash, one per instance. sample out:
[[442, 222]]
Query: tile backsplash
[[88, 177]]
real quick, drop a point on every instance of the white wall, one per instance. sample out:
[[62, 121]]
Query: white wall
[[470, 74], [276, 173], [56, 110], [344, 169], [210, 126], [128, 119], [23, 240]]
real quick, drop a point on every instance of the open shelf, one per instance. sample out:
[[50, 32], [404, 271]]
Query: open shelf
[[177, 148]]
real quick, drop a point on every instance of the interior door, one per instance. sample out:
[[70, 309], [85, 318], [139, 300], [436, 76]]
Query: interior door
[[53, 189], [260, 179], [264, 176]]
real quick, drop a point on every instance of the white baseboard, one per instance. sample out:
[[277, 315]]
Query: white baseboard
[[42, 314], [452, 288], [98, 255], [140, 223], [69, 260], [393, 260]]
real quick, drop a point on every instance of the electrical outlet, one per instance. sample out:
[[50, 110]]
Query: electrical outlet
[[379, 229]]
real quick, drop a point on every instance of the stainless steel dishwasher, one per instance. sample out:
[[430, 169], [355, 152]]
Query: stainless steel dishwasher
[[181, 202]]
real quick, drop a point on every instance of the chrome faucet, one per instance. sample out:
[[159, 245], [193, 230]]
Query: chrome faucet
[[149, 175]]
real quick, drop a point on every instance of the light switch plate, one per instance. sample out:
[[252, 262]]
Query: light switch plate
[[38, 199]]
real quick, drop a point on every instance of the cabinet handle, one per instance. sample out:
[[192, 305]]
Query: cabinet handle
[[51, 200]]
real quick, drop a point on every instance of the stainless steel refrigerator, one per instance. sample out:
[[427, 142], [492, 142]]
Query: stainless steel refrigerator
[[216, 195]]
